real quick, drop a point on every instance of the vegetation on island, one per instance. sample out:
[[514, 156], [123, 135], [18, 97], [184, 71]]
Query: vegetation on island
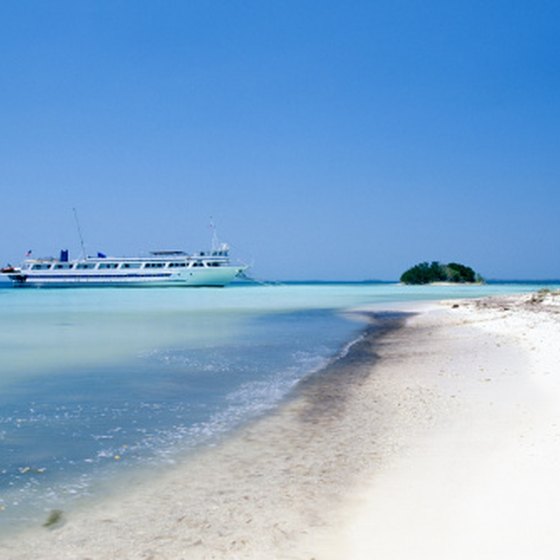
[[426, 273]]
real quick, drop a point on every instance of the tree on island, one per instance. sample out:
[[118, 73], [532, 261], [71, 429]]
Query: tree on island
[[426, 273]]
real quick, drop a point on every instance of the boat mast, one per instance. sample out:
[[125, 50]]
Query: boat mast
[[80, 233], [214, 235], [217, 245]]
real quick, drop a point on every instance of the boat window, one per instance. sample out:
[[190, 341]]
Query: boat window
[[41, 267], [108, 265], [63, 266], [177, 265], [85, 266], [131, 265], [154, 265], [198, 263]]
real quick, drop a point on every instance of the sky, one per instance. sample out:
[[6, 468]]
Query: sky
[[326, 140]]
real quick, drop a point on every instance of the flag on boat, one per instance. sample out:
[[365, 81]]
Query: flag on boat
[[28, 254], [101, 255]]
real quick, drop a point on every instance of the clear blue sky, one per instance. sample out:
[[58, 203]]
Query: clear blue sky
[[329, 140]]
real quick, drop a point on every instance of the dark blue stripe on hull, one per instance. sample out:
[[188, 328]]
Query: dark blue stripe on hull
[[32, 277]]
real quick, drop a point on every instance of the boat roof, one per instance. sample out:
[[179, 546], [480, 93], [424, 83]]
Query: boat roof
[[154, 255]]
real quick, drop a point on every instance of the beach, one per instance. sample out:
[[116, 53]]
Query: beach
[[437, 435]]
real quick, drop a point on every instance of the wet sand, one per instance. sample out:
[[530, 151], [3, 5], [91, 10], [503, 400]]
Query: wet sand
[[435, 437]]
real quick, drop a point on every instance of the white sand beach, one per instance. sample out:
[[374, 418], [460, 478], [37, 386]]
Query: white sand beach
[[438, 438]]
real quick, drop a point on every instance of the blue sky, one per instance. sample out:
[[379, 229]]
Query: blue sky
[[328, 140]]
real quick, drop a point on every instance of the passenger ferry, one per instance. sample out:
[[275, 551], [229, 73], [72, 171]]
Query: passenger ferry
[[210, 268]]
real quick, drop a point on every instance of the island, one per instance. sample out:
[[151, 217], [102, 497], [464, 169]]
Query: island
[[429, 273]]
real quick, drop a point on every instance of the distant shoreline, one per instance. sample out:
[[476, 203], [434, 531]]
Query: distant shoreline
[[7, 283]]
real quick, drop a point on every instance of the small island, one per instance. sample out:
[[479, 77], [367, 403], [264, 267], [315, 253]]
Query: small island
[[455, 273]]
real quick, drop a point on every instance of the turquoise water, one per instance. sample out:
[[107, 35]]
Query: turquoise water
[[97, 381]]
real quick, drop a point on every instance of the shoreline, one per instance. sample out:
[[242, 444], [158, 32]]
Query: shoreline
[[322, 476], [269, 447]]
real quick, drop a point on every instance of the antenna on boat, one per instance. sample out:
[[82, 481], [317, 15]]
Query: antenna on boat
[[215, 241], [80, 233], [217, 245]]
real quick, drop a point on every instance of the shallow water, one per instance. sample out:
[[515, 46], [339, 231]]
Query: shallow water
[[97, 381]]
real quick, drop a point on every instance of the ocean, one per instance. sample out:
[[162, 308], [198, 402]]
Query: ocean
[[99, 382]]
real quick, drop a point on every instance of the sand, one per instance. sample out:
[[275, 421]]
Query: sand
[[482, 482], [438, 436]]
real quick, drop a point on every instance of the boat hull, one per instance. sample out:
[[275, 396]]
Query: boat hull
[[201, 277]]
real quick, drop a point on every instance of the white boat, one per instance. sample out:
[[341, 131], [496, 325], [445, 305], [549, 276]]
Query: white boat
[[206, 268]]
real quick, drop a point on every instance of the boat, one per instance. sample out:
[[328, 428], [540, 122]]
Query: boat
[[171, 268]]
